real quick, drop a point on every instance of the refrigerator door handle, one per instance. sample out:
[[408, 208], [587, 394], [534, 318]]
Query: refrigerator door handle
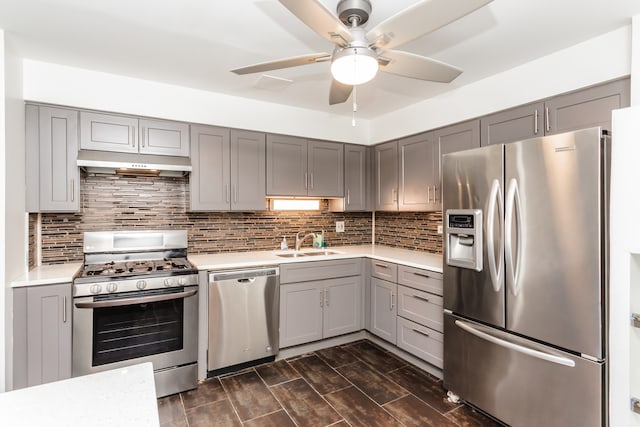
[[515, 347], [513, 204], [495, 268]]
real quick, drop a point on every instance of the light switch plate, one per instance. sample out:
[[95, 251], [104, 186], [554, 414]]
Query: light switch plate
[[440, 229], [339, 226]]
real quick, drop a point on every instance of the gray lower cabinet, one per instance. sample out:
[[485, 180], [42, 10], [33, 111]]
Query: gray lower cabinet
[[298, 167], [386, 176], [383, 309], [316, 303], [53, 178], [42, 334], [581, 109], [228, 169], [126, 134]]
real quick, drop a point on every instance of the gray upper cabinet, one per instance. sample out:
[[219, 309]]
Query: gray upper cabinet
[[386, 176], [108, 132], [584, 108], [286, 166], [210, 179], [42, 334], [248, 187], [53, 179], [124, 134], [515, 124], [417, 181], [325, 163], [357, 178], [164, 137], [297, 167], [228, 169]]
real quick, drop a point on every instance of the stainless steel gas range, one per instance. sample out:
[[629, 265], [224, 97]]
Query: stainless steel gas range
[[136, 300]]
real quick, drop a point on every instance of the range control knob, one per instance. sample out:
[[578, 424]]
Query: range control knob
[[96, 288], [141, 284], [169, 282], [112, 287], [182, 281]]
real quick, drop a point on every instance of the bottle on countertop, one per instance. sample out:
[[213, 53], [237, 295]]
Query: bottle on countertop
[[283, 245]]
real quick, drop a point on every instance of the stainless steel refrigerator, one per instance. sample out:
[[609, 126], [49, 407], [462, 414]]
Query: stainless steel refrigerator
[[525, 279]]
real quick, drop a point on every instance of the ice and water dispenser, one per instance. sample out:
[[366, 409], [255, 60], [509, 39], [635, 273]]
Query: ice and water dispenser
[[463, 233]]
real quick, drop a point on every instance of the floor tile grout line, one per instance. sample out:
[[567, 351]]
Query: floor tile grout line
[[184, 409], [228, 398], [282, 407]]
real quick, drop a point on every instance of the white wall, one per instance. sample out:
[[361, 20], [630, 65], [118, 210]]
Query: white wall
[[15, 219], [57, 84], [603, 58]]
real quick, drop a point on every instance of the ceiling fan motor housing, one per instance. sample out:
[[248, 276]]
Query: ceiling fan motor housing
[[348, 10]]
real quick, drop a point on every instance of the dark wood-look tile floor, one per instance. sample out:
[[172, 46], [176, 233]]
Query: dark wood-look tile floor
[[356, 384]]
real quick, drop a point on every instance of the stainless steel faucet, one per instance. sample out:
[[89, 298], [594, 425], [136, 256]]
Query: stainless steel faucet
[[300, 240]]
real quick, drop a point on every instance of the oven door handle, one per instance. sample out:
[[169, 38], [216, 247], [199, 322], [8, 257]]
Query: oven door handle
[[138, 300]]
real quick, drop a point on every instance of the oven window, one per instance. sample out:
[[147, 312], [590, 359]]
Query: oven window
[[132, 331]]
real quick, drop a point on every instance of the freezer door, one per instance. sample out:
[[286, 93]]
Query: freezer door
[[520, 382], [554, 240], [473, 179]]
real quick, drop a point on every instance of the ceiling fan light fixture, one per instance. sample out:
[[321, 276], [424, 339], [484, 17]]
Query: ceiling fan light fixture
[[354, 65]]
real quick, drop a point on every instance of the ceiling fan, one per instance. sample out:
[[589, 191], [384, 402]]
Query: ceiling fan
[[359, 54]]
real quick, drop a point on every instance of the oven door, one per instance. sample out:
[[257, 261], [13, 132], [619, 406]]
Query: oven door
[[113, 331]]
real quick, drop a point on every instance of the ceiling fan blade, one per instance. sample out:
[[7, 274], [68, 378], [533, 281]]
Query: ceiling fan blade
[[422, 18], [320, 19], [418, 67], [339, 92], [283, 63]]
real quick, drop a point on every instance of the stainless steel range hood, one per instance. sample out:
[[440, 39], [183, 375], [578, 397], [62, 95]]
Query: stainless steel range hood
[[107, 162]]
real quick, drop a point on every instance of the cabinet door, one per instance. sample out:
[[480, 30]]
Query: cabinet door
[[209, 182], [386, 171], [164, 138], [286, 166], [325, 164], [42, 330], [512, 125], [356, 178], [248, 187], [108, 132], [420, 341], [342, 306], [383, 309], [463, 136], [300, 313], [586, 108], [59, 176], [418, 165]]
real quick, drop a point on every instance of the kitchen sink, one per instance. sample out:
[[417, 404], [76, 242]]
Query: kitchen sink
[[305, 253]]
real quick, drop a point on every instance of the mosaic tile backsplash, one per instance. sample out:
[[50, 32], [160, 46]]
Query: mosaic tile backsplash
[[122, 202]]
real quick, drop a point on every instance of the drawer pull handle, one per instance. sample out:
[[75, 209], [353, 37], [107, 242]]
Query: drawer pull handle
[[421, 298], [381, 265], [420, 332], [422, 275]]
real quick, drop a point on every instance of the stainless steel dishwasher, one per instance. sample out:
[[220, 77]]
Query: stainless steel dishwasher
[[244, 318]]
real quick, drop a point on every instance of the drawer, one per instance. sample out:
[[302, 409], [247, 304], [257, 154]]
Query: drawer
[[425, 280], [384, 270], [421, 307], [319, 270], [420, 341]]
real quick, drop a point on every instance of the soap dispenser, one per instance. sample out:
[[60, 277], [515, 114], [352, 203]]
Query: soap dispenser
[[283, 245]]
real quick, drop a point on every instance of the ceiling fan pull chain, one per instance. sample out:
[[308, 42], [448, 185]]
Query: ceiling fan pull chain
[[355, 106]]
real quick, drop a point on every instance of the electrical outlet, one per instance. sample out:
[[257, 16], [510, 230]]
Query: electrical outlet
[[440, 229], [339, 226]]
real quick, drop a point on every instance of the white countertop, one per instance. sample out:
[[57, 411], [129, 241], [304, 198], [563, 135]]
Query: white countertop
[[229, 260], [48, 275], [120, 397], [63, 273]]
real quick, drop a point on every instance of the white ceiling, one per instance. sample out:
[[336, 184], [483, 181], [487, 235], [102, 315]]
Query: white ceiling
[[194, 43]]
